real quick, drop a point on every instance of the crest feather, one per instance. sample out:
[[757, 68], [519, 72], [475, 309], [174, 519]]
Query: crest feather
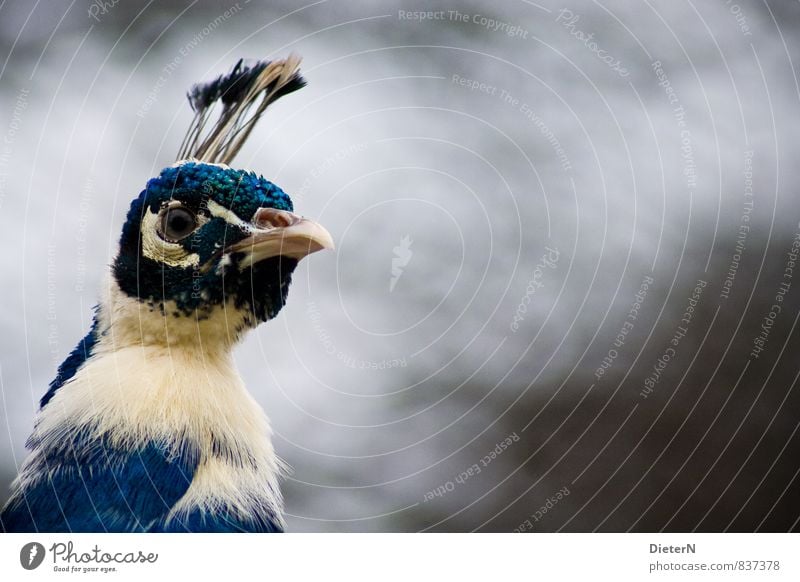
[[244, 93]]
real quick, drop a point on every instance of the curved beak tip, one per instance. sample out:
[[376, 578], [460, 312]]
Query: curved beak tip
[[281, 233]]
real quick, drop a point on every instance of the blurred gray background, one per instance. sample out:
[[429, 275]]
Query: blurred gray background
[[502, 180]]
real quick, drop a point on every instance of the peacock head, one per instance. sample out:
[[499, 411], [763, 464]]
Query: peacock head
[[206, 242], [203, 236]]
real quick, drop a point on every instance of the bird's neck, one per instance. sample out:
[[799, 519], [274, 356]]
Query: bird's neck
[[135, 393], [145, 372], [155, 374], [185, 395], [124, 321]]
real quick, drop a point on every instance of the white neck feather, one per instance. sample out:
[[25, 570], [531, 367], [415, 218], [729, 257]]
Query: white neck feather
[[155, 376]]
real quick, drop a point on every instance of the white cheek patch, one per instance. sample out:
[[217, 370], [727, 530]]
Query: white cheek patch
[[157, 249], [219, 211]]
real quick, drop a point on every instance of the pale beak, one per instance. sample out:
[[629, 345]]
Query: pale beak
[[280, 233]]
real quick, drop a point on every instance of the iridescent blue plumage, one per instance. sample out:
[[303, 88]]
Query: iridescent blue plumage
[[238, 190], [76, 358], [102, 488]]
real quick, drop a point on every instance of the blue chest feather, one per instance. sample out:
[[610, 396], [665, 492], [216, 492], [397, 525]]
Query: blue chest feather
[[74, 361], [92, 486], [89, 484]]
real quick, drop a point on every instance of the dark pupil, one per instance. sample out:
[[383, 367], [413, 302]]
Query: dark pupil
[[179, 223]]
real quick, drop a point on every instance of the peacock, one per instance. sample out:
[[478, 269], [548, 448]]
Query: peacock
[[147, 426]]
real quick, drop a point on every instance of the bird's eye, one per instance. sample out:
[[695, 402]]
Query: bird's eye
[[176, 223]]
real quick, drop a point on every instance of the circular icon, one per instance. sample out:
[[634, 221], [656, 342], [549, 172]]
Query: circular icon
[[31, 555]]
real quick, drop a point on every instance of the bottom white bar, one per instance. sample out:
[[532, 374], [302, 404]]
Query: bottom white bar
[[350, 557]]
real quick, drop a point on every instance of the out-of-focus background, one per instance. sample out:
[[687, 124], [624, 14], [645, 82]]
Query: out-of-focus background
[[566, 289]]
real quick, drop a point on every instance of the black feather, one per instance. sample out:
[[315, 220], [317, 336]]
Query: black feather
[[227, 88], [237, 91]]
